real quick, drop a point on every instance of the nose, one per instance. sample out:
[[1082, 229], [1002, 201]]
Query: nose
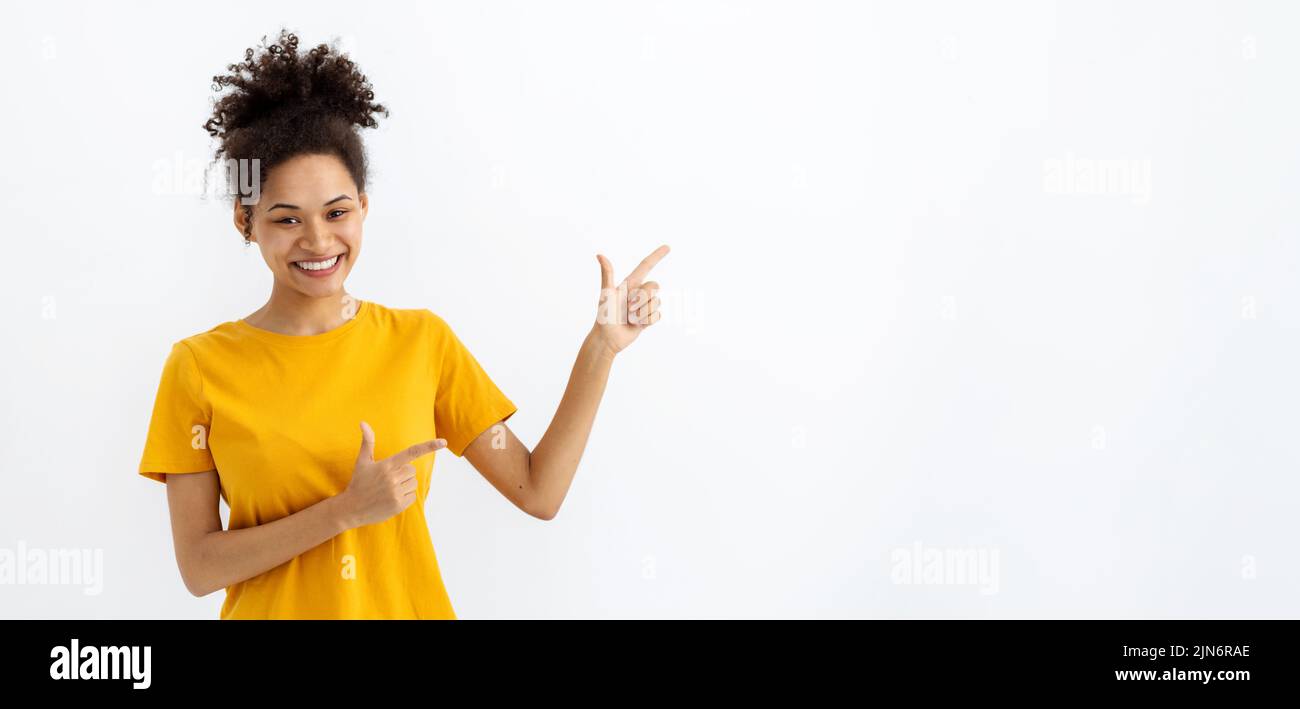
[[317, 239]]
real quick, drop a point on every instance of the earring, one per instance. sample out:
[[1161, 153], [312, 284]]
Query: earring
[[247, 242]]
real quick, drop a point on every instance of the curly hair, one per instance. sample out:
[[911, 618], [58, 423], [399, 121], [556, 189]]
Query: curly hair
[[285, 104]]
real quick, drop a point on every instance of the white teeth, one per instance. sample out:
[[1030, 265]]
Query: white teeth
[[316, 265]]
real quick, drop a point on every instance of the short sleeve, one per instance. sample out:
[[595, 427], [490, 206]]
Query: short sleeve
[[177, 441], [467, 402]]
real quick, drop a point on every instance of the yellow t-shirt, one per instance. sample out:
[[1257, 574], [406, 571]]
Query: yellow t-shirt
[[278, 417]]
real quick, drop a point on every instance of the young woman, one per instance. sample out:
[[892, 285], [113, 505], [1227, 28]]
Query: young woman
[[313, 416]]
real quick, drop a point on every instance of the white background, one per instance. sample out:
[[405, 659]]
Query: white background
[[883, 325]]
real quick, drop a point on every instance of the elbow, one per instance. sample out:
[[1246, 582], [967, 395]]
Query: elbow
[[194, 586], [545, 514], [195, 583], [543, 510], [194, 576]]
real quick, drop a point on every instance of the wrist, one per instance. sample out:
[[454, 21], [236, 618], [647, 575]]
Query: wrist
[[596, 344], [340, 512]]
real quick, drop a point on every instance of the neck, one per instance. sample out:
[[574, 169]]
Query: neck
[[289, 312]]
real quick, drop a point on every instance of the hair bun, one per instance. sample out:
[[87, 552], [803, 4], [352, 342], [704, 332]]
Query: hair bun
[[279, 84]]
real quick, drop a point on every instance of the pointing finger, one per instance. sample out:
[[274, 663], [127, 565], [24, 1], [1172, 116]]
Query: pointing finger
[[418, 450], [643, 268]]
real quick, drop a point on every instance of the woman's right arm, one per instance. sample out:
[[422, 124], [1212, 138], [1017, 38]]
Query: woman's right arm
[[211, 558]]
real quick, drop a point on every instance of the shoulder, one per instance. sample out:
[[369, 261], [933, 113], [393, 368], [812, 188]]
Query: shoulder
[[412, 323], [402, 321], [431, 326], [199, 342], [182, 359], [210, 341]]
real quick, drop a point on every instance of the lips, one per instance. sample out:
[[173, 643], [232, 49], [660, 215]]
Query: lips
[[319, 267]]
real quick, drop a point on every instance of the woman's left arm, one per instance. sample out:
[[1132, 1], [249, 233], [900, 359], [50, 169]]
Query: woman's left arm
[[537, 481]]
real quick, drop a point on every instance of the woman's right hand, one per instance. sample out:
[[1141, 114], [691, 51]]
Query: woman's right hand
[[380, 489]]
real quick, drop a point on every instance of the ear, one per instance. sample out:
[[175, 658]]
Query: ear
[[365, 204], [241, 219]]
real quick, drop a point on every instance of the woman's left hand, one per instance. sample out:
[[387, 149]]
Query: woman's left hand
[[628, 308]]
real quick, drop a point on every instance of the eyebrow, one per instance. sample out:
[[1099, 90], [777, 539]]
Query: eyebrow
[[294, 206]]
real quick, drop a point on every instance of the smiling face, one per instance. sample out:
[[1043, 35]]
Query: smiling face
[[307, 223]]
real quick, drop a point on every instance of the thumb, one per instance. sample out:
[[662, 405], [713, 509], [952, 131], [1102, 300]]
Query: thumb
[[606, 272], [367, 452]]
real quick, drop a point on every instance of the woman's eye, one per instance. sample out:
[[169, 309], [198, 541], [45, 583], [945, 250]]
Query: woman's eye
[[332, 212]]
